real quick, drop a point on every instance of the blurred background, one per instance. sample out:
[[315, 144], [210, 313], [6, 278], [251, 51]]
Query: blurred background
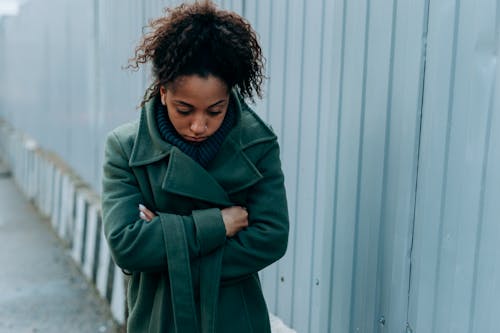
[[386, 111]]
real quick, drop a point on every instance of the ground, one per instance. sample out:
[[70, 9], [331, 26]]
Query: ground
[[42, 290]]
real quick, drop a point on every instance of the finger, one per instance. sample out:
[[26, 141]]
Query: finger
[[143, 217], [149, 214]]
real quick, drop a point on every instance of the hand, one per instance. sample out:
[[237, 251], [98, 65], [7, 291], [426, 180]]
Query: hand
[[145, 213], [235, 219]]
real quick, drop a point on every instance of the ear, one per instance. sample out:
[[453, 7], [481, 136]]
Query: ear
[[163, 95]]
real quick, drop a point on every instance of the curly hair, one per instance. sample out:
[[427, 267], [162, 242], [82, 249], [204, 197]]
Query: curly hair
[[201, 39]]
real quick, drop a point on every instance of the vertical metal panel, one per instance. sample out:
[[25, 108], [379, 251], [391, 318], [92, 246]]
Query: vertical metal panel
[[250, 11], [289, 152], [347, 167], [362, 222], [433, 137], [120, 90], [307, 159], [59, 80], [237, 6], [402, 137], [273, 277], [455, 277], [331, 64], [486, 287], [3, 66], [374, 107], [269, 276], [80, 87]]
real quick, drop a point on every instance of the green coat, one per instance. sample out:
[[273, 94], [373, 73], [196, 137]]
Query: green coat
[[187, 276]]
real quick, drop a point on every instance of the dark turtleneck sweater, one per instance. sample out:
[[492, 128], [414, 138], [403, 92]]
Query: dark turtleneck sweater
[[203, 152]]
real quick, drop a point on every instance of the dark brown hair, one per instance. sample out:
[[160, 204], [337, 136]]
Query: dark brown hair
[[203, 40]]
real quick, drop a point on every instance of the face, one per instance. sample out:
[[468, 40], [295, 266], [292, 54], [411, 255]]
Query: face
[[196, 105]]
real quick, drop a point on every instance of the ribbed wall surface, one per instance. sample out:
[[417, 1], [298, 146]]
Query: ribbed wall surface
[[456, 268], [387, 112]]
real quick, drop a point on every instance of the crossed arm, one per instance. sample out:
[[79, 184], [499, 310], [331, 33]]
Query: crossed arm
[[253, 237], [235, 218]]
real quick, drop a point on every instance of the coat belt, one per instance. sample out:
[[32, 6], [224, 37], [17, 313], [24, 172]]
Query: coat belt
[[179, 272]]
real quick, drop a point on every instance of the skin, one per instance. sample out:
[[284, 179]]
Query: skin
[[196, 107]]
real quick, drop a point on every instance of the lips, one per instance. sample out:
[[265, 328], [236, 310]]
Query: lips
[[195, 139]]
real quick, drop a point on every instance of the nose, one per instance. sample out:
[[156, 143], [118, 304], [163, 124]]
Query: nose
[[198, 126]]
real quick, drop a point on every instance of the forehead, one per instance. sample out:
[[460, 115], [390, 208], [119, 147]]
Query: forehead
[[195, 87]]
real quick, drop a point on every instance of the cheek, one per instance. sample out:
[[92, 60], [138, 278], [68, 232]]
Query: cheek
[[216, 124], [178, 122]]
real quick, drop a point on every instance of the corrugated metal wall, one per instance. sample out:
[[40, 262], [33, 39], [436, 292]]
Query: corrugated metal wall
[[387, 112], [455, 283]]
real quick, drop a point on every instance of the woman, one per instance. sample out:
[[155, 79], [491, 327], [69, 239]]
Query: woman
[[193, 196]]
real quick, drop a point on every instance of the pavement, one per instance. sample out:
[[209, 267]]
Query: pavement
[[41, 289]]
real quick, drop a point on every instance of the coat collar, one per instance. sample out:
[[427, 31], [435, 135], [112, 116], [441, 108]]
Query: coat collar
[[148, 145], [229, 172]]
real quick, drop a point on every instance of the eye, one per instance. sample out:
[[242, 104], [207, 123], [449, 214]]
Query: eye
[[214, 113], [183, 112]]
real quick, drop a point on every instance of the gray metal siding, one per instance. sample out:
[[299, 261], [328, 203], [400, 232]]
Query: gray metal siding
[[455, 268], [387, 113]]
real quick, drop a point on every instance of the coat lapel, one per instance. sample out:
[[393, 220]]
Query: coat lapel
[[186, 177], [232, 169], [230, 172], [148, 145]]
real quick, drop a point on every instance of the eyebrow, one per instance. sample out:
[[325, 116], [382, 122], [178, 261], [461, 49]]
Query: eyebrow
[[189, 105]]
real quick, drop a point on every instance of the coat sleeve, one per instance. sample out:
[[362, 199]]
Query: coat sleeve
[[265, 239], [137, 245]]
